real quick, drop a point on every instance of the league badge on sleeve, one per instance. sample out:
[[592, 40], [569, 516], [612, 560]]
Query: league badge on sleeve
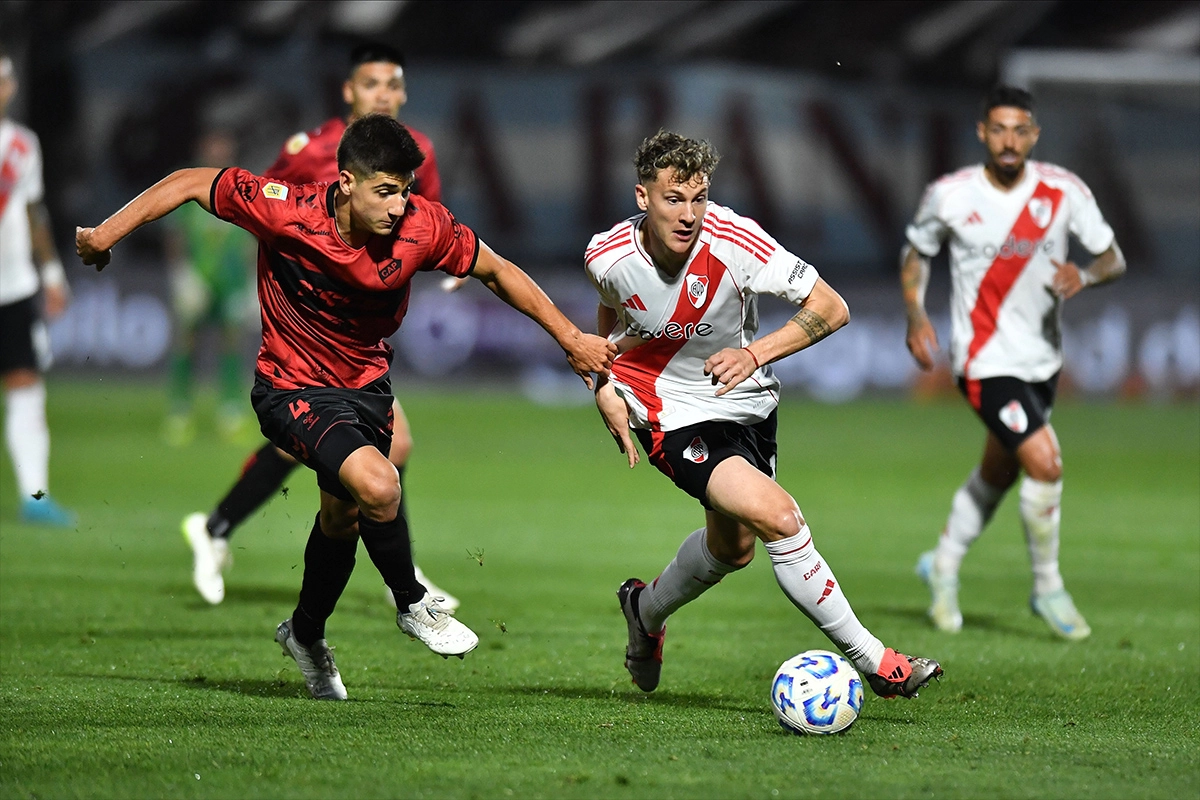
[[275, 191], [296, 143]]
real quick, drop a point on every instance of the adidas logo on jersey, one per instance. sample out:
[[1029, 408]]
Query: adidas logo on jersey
[[635, 303], [973, 219], [697, 451]]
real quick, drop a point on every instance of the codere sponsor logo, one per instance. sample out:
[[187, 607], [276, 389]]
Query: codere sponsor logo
[[672, 330], [1011, 248]]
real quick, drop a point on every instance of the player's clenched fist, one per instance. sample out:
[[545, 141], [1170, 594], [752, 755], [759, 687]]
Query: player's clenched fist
[[88, 251], [590, 353]]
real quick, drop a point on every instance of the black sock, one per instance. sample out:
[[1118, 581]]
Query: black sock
[[262, 475], [390, 550], [327, 567]]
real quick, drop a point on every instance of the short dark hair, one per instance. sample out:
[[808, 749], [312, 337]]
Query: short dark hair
[[378, 143], [1006, 96], [371, 52], [666, 149]]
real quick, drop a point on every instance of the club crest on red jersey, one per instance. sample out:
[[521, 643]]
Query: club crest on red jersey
[[697, 451], [248, 189], [1041, 209], [697, 289], [389, 273], [1013, 416]]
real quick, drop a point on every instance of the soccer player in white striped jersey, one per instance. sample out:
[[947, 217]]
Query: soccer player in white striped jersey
[[1007, 222], [678, 289]]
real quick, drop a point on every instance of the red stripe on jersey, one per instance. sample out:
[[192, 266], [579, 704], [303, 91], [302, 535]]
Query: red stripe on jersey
[[739, 242], [8, 170], [728, 227], [640, 368], [624, 230], [623, 243], [1000, 278]]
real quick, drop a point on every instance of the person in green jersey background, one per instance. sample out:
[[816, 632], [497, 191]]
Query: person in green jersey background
[[212, 285]]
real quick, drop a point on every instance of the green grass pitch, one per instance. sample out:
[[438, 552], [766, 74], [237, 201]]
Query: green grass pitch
[[116, 680]]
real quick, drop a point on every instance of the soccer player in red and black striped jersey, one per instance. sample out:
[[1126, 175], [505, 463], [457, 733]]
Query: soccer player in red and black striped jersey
[[334, 266], [375, 85]]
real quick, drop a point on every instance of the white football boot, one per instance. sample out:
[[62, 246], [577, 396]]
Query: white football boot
[[427, 621], [447, 601], [316, 664], [943, 610], [206, 560], [1058, 609]]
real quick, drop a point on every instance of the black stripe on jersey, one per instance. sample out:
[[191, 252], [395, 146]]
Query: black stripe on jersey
[[212, 194], [339, 305], [329, 205]]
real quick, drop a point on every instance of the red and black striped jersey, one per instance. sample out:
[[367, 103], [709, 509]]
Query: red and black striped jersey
[[327, 307]]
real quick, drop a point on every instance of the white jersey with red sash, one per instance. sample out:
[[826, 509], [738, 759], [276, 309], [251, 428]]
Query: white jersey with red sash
[[20, 185], [668, 326], [1005, 320]]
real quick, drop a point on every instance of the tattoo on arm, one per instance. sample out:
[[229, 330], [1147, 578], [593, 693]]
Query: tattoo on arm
[[812, 324]]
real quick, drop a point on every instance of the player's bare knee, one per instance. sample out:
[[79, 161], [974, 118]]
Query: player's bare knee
[[781, 522], [379, 494]]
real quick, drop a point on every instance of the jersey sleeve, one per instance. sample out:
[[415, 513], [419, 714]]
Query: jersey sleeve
[[454, 247], [1086, 221], [251, 202], [31, 179], [764, 265], [608, 298], [928, 230]]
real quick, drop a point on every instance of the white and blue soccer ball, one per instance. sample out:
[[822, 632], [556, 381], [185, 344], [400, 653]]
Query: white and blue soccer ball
[[816, 692]]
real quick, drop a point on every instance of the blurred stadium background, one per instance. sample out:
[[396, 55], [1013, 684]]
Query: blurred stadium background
[[831, 118]]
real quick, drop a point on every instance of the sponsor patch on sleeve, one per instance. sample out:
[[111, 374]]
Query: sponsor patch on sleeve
[[275, 191], [296, 143]]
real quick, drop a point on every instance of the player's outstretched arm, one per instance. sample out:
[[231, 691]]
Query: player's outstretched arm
[[821, 313], [585, 353], [94, 245], [914, 279], [1069, 279], [611, 405]]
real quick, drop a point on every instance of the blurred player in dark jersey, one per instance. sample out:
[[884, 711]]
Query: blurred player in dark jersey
[[334, 266], [375, 85]]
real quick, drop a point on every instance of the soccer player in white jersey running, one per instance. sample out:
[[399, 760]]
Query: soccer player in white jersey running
[[28, 262], [678, 287], [1007, 222]]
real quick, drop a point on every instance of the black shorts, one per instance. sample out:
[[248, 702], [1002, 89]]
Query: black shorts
[[689, 455], [322, 427], [24, 343], [1011, 408]]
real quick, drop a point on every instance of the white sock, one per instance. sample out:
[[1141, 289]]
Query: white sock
[[28, 437], [808, 582], [972, 507], [692, 572], [1041, 513]]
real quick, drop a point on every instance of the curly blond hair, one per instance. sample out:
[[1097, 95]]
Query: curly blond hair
[[666, 150]]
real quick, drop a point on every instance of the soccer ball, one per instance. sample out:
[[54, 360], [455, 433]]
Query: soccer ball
[[816, 692]]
